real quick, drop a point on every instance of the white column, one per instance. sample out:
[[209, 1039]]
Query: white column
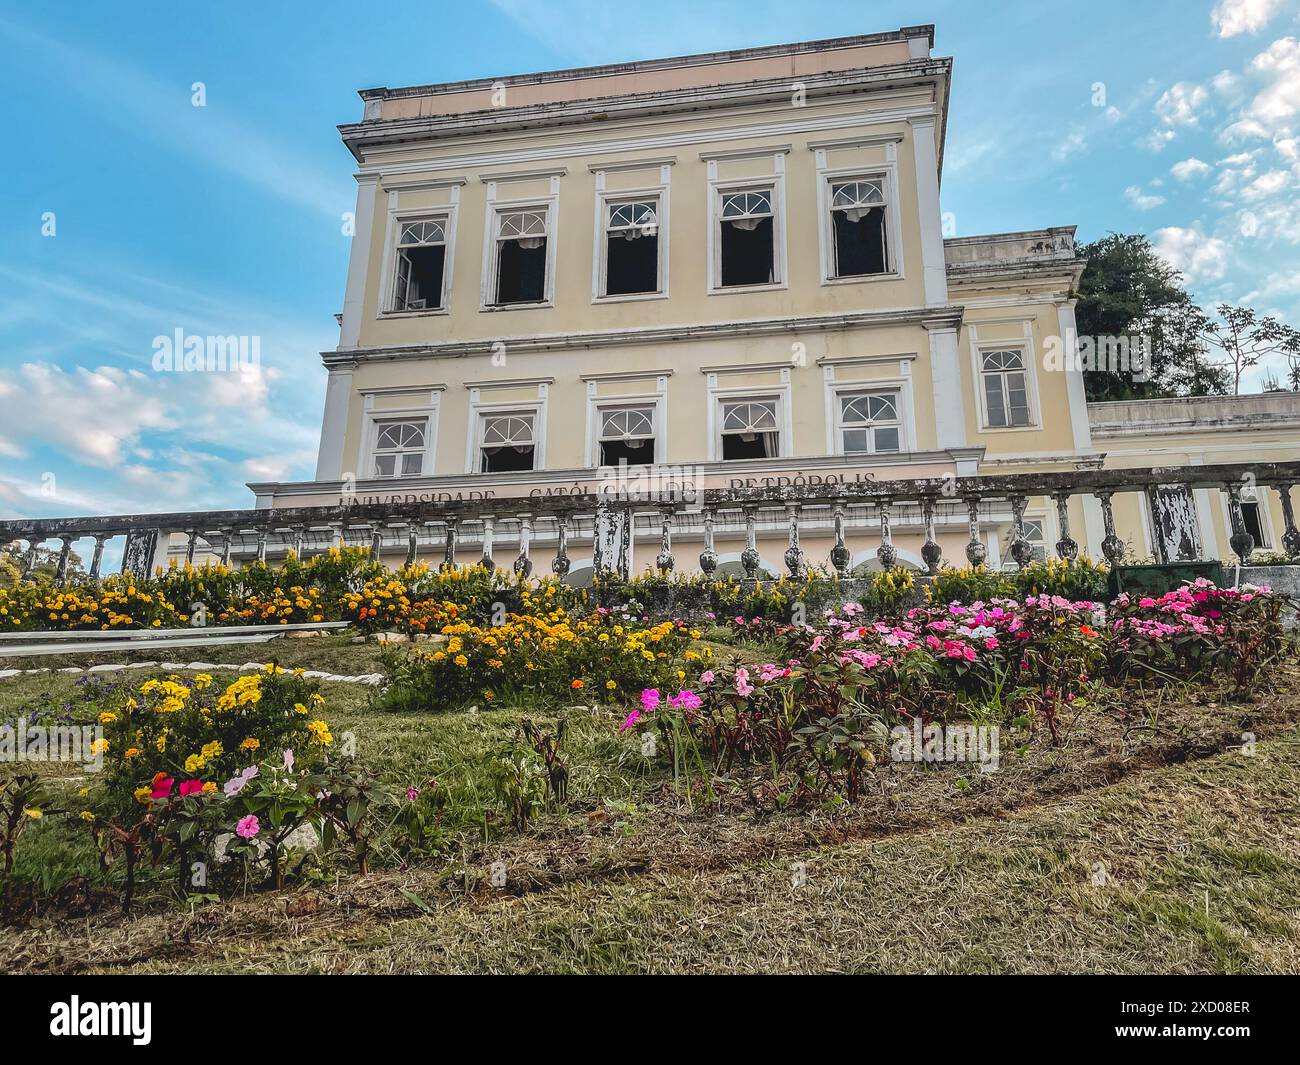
[[945, 382], [334, 424], [358, 262], [926, 157]]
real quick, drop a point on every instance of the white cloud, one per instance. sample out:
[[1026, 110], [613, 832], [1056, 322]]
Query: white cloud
[[1231, 17], [1141, 200], [1189, 168], [1156, 140], [1074, 142], [1198, 256], [1266, 185], [1180, 104]]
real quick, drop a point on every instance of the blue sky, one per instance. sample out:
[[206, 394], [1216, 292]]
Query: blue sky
[[227, 219]]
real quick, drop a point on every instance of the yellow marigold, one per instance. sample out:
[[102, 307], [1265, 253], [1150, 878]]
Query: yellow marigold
[[142, 793], [161, 744], [99, 746], [610, 685], [107, 717], [252, 743], [194, 763], [86, 815], [461, 661], [213, 749], [209, 786], [202, 680], [132, 752], [320, 732]]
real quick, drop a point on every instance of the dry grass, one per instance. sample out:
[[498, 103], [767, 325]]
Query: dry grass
[[1202, 863]]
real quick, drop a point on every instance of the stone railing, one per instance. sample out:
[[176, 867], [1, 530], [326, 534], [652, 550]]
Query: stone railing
[[403, 530]]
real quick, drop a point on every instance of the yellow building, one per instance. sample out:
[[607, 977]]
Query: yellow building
[[730, 269]]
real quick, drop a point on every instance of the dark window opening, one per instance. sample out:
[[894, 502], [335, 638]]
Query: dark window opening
[[521, 271], [749, 445], [860, 246], [507, 458], [748, 254], [633, 452], [631, 263], [419, 278], [1254, 525]]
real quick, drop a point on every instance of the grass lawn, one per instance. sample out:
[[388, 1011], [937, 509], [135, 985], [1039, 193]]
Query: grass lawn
[[1150, 843]]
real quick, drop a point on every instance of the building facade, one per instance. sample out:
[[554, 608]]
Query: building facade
[[720, 270]]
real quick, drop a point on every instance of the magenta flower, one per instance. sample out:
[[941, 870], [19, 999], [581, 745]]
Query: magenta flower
[[649, 699], [191, 787], [412, 793], [630, 720], [743, 688], [248, 827], [686, 700]]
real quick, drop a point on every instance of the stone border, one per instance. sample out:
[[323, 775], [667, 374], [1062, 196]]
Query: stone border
[[373, 679]]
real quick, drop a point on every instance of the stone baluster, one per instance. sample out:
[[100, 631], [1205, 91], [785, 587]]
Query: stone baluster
[[29, 562], [1066, 548], [1241, 541], [794, 559], [261, 545], [412, 543], [749, 558], [449, 546], [524, 564], [1111, 546], [97, 559], [560, 563], [1290, 538], [931, 552], [664, 561], [1021, 549], [65, 553], [190, 542], [336, 535], [976, 551], [489, 535], [297, 541], [709, 556], [841, 556], [226, 546], [376, 542], [887, 553]]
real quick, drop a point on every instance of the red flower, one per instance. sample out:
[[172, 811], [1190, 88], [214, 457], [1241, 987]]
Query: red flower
[[162, 788], [191, 787]]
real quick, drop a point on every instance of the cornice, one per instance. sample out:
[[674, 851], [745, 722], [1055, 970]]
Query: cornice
[[931, 317]]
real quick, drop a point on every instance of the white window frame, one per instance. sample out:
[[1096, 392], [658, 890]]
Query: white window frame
[[548, 205], [448, 213], [1025, 345], [423, 406], [1265, 518], [887, 175], [597, 404], [478, 408], [719, 188], [869, 388], [900, 382], [605, 199]]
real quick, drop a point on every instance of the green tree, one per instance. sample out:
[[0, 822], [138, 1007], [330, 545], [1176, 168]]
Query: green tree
[[1246, 338], [1128, 290]]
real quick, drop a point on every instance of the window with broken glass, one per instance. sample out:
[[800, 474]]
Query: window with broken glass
[[750, 429], [421, 265], [627, 435], [860, 239], [747, 238], [399, 448], [519, 268], [1006, 388], [631, 248], [507, 442]]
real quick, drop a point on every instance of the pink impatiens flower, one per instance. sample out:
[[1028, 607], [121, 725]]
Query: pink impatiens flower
[[191, 787], [162, 788], [743, 687], [649, 699], [630, 720], [248, 827], [706, 677]]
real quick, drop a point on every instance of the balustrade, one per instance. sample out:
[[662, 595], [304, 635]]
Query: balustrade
[[834, 517]]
